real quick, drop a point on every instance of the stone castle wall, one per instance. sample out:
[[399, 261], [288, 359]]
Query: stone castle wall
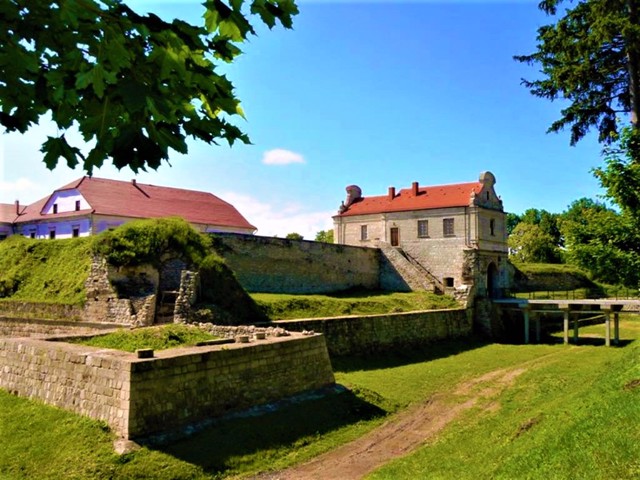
[[275, 265], [141, 397], [376, 333]]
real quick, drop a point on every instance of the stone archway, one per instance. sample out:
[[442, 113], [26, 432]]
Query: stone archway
[[493, 290]]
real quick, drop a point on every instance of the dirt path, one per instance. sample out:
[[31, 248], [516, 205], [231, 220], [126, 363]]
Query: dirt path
[[401, 434]]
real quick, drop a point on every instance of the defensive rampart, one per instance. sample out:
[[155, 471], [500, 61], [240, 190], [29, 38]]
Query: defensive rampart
[[176, 388], [277, 265], [376, 333]]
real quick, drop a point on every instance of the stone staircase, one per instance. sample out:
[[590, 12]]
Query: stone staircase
[[412, 272], [166, 307]]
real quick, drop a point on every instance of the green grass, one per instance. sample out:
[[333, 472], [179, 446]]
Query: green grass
[[549, 268], [572, 414], [157, 338], [285, 307], [44, 271]]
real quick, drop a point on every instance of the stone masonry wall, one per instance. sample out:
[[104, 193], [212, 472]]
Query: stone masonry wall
[[26, 327], [375, 333], [275, 265], [176, 388], [40, 310], [183, 387]]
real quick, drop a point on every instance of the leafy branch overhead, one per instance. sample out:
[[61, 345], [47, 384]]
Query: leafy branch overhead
[[590, 57], [134, 85]]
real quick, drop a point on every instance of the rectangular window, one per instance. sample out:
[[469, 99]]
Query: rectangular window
[[447, 227], [32, 235], [52, 234], [3, 236], [423, 228], [492, 227], [363, 232], [55, 208], [77, 205], [76, 232]]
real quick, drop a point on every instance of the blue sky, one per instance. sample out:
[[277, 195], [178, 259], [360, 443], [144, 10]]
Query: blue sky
[[373, 93]]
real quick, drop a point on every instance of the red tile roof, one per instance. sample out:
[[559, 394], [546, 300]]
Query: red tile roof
[[137, 200], [7, 212], [438, 196]]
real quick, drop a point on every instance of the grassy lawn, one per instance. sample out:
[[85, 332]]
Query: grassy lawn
[[573, 413], [157, 338], [285, 307]]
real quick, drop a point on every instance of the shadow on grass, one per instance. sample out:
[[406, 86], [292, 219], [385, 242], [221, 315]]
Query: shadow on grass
[[231, 445], [583, 340], [407, 356]]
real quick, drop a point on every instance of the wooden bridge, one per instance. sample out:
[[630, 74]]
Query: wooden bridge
[[571, 310]]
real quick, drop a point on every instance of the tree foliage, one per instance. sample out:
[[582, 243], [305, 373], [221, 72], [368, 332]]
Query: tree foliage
[[134, 85], [589, 57], [530, 243], [294, 236], [324, 236]]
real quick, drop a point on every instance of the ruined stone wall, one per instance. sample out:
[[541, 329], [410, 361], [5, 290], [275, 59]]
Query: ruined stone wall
[[81, 379], [264, 264], [18, 309], [26, 327], [176, 388], [376, 333], [192, 385]]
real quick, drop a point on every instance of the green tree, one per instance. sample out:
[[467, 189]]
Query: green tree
[[294, 236], [134, 85], [324, 236], [604, 242], [529, 243], [513, 220], [590, 57]]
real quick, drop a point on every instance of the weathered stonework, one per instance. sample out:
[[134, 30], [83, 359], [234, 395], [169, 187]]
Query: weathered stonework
[[178, 387], [376, 333], [187, 296]]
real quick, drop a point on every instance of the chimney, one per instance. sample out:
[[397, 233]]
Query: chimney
[[17, 207], [133, 181], [392, 193], [414, 189]]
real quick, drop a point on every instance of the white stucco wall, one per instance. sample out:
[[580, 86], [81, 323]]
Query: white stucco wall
[[66, 202]]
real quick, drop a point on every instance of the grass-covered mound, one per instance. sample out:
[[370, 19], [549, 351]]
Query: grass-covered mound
[[531, 277], [284, 307], [157, 338], [50, 271]]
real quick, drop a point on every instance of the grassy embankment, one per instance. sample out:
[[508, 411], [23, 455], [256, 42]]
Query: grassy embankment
[[573, 413], [285, 307], [157, 338], [44, 271]]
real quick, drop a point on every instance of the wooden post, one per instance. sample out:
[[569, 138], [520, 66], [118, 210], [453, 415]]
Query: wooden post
[[575, 329], [616, 327], [607, 328], [537, 319], [566, 324], [526, 324]]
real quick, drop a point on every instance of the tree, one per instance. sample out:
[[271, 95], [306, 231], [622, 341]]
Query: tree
[[604, 242], [590, 57], [294, 236], [529, 243], [513, 220], [134, 85], [324, 236]]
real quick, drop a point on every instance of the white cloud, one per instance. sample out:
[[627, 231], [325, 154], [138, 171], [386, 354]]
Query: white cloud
[[278, 220], [21, 186], [280, 156]]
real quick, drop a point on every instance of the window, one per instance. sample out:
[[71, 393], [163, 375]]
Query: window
[[487, 196], [75, 232], [447, 227], [363, 232], [52, 234], [55, 208], [77, 205], [423, 228], [448, 282], [3, 236], [492, 227], [32, 235]]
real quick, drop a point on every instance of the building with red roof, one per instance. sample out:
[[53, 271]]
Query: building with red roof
[[90, 205], [452, 232]]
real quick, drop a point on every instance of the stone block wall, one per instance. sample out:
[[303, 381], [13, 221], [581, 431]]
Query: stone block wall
[[183, 387], [27, 327], [276, 265], [376, 333], [81, 379], [19, 309], [176, 388]]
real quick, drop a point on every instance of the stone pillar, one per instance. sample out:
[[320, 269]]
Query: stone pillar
[[566, 312], [607, 327]]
